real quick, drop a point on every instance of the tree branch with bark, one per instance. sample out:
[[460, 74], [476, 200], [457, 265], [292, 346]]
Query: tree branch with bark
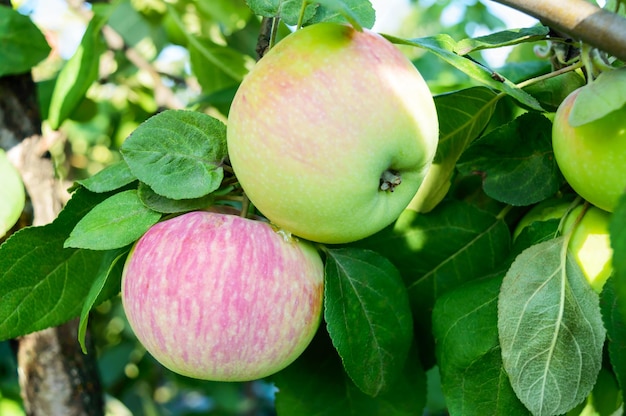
[[579, 19]]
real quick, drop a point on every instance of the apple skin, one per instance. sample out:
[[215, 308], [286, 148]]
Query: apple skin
[[12, 194], [589, 243], [317, 122], [592, 157], [219, 297]]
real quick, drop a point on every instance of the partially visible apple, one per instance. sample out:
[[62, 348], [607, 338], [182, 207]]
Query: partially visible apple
[[332, 133], [12, 195], [590, 241], [592, 157], [219, 297]]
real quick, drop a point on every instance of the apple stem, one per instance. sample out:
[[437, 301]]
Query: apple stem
[[245, 206], [389, 180]]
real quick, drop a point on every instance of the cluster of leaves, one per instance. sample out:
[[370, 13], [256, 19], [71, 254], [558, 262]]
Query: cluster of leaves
[[511, 326]]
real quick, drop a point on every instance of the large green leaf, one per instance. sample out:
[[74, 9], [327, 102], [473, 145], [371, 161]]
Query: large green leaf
[[114, 176], [23, 44], [228, 13], [617, 231], [368, 317], [605, 94], [106, 281], [615, 325], [507, 37], [468, 352], [516, 161], [443, 46], [316, 384], [178, 153], [462, 116], [439, 251], [217, 67], [359, 13], [43, 284], [114, 223], [550, 329], [165, 205], [80, 71]]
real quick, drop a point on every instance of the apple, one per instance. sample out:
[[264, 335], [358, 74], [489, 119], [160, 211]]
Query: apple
[[589, 243], [219, 297], [331, 133], [592, 157], [12, 195]]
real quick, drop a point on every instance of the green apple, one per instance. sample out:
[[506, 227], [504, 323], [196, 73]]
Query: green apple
[[332, 133], [592, 157], [589, 243], [12, 195]]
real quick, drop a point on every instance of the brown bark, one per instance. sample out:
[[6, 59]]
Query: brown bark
[[56, 378], [580, 20]]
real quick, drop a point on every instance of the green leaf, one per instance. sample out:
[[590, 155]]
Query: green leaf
[[550, 329], [116, 222], [23, 44], [462, 116], [552, 91], [178, 153], [215, 66], [111, 178], [359, 13], [535, 233], [368, 317], [605, 94], [287, 10], [617, 232], [165, 205], [132, 25], [468, 352], [500, 39], [106, 284], [316, 384], [443, 46], [79, 72], [436, 252], [606, 398], [228, 13], [43, 284], [615, 325], [516, 161]]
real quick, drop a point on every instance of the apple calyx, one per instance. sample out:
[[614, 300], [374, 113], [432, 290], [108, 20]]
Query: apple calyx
[[389, 180]]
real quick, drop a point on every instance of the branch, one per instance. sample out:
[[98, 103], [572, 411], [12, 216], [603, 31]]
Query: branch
[[581, 20]]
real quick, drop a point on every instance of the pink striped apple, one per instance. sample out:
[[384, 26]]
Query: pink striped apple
[[219, 297], [332, 133]]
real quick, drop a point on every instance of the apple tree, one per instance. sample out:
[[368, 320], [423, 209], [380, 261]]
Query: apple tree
[[269, 207]]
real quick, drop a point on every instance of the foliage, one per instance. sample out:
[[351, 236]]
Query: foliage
[[444, 294]]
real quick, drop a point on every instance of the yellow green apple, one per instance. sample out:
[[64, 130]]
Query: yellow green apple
[[332, 133], [219, 297], [589, 243], [12, 195], [592, 156]]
